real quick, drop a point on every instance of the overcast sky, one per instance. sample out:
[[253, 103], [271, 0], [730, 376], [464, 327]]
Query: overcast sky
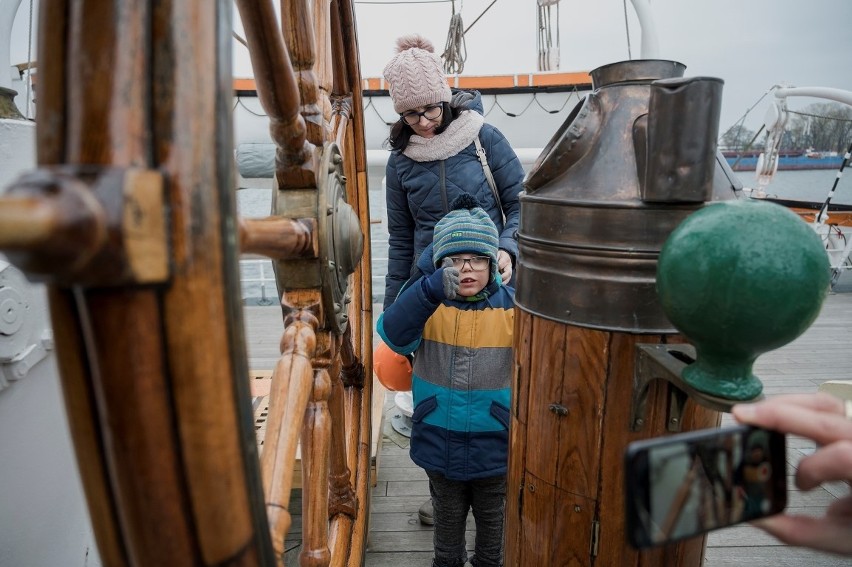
[[750, 44]]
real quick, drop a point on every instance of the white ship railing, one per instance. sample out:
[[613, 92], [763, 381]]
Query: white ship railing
[[837, 241], [838, 245], [265, 277]]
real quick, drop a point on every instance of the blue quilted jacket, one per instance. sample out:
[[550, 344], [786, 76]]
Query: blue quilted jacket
[[462, 375], [419, 194]]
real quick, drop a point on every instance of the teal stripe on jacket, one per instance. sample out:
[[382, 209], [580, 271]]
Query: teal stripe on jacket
[[461, 410]]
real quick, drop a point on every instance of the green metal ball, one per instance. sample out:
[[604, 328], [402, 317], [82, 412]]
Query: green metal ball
[[740, 278]]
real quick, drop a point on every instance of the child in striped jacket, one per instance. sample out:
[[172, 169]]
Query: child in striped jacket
[[458, 317]]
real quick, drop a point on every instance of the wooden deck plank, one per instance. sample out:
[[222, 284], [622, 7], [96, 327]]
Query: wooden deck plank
[[396, 541], [398, 559], [770, 557], [409, 488], [405, 521]]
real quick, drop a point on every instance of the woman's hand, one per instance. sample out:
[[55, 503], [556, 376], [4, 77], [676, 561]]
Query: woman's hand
[[461, 98], [827, 420], [504, 266]]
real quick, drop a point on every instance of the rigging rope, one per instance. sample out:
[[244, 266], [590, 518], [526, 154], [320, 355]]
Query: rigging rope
[[480, 16], [455, 51], [29, 59], [548, 59], [741, 121], [627, 31], [747, 146], [238, 38]]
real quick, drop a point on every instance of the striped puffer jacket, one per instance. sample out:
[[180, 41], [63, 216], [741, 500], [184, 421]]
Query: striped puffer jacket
[[462, 374]]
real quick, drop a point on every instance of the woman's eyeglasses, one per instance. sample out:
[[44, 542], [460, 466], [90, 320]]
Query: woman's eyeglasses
[[477, 263], [412, 117]]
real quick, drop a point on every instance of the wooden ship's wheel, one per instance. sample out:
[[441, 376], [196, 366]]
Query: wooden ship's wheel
[[131, 220]]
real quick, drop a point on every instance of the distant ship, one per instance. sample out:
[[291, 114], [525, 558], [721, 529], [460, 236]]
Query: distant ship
[[787, 160]]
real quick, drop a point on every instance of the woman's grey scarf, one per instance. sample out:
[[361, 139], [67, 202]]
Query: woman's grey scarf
[[458, 135]]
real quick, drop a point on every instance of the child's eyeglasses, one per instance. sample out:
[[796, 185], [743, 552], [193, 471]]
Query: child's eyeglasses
[[431, 113], [477, 263]]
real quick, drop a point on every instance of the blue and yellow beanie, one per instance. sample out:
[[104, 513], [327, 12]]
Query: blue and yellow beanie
[[466, 228]]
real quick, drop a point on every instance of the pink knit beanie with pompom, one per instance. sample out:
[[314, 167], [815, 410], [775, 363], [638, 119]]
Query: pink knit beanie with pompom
[[415, 75]]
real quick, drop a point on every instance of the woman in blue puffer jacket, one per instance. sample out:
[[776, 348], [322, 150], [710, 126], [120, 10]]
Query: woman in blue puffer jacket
[[434, 159]]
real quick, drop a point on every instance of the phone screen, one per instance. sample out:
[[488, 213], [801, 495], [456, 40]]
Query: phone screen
[[690, 483]]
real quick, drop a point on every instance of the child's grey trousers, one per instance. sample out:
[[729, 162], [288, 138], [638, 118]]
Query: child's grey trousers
[[451, 500]]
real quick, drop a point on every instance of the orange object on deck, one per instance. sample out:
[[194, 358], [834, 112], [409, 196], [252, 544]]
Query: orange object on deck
[[392, 369]]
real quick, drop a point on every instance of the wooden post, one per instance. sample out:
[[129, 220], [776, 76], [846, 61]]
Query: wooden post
[[570, 428]]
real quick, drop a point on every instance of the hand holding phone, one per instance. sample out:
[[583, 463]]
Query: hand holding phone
[[690, 483], [827, 421]]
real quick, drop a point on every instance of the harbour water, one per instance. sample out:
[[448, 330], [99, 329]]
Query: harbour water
[[806, 185], [258, 284]]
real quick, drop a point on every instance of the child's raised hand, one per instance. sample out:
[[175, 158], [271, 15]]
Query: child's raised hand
[[443, 283], [451, 278]]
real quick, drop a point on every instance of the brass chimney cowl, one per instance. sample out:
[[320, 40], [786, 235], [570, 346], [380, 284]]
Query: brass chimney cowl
[[632, 160]]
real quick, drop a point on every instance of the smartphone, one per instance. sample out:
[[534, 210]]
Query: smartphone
[[689, 483]]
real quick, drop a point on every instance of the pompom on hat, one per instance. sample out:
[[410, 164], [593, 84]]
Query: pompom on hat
[[415, 75], [466, 228]]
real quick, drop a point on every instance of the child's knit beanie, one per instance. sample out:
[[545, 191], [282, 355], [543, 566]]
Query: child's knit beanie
[[415, 75], [466, 228]]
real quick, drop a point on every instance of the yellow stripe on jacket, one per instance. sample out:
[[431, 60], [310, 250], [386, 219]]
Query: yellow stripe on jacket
[[476, 328]]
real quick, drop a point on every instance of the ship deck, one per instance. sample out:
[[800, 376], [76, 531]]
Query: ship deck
[[397, 539]]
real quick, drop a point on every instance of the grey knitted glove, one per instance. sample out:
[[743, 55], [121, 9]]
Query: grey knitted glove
[[443, 283], [451, 278], [461, 98]]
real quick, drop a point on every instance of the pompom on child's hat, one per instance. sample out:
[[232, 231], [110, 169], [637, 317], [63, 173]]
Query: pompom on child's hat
[[467, 228], [415, 75]]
